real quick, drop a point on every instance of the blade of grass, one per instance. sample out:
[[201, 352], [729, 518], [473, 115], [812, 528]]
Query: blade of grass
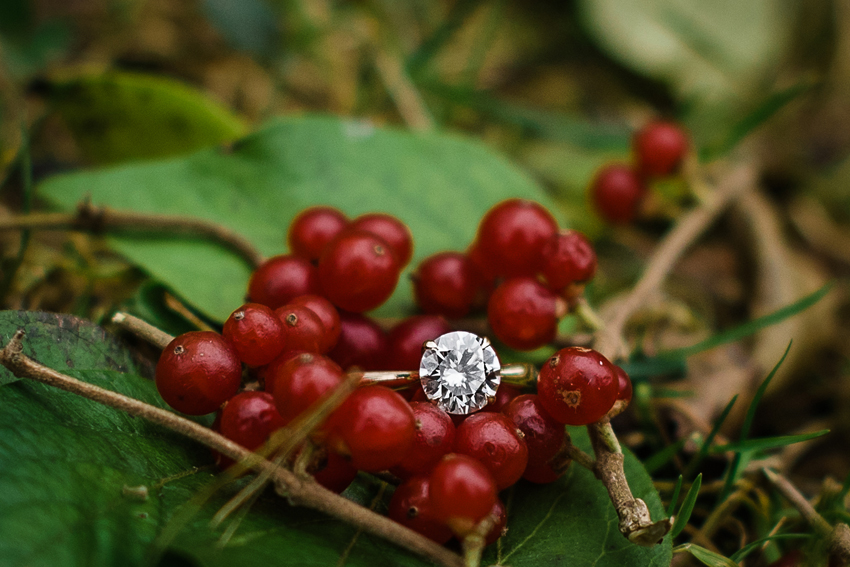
[[753, 545], [663, 456], [674, 498], [764, 443], [706, 445], [705, 556], [687, 507], [734, 466], [750, 327], [431, 46]]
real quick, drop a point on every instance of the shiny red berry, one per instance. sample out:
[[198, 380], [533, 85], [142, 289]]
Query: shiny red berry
[[504, 394], [568, 257], [335, 472], [500, 513], [660, 148], [495, 441], [617, 192], [524, 314], [327, 313], [280, 279], [543, 435], [406, 338], [375, 426], [255, 333], [302, 328], [463, 493], [434, 438], [249, 418], [362, 343], [410, 506], [391, 230], [447, 284], [577, 386], [313, 229], [624, 385], [358, 271], [266, 374], [512, 234], [303, 381], [197, 372]]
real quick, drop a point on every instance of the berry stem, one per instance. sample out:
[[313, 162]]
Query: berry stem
[[474, 543], [303, 492], [588, 316], [142, 329], [94, 219]]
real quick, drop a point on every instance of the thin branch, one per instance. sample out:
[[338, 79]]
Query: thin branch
[[741, 177], [303, 492], [89, 218], [142, 329]]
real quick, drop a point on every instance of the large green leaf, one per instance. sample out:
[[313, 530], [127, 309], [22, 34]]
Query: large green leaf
[[64, 341], [121, 116], [69, 495], [439, 184]]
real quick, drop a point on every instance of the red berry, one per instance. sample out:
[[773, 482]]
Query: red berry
[[511, 237], [249, 419], [434, 437], [504, 394], [542, 474], [660, 148], [390, 230], [500, 527], [335, 472], [543, 435], [282, 278], [568, 257], [524, 314], [624, 385], [197, 372], [375, 426], [447, 284], [405, 340], [313, 229], [495, 441], [362, 343], [410, 506], [577, 386], [617, 193], [358, 271], [327, 313], [463, 493], [303, 381], [255, 333], [302, 328], [267, 373]]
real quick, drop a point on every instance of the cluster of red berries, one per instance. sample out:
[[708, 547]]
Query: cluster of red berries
[[304, 327], [521, 266], [618, 189]]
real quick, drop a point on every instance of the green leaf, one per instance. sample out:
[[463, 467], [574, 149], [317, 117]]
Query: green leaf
[[70, 494], [674, 498], [687, 507], [572, 521], [121, 116], [440, 185], [65, 342], [764, 443], [751, 327], [707, 557], [753, 545], [706, 445], [249, 25]]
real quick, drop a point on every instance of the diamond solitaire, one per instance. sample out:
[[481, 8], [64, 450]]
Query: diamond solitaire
[[460, 372]]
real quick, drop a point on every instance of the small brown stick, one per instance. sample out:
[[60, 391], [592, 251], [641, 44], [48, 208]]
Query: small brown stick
[[142, 329], [303, 492], [610, 340], [89, 218], [838, 537]]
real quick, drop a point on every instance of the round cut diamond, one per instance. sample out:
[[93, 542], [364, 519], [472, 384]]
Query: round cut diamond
[[459, 372]]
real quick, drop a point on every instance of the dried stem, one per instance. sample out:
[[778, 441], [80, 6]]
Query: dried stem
[[303, 492], [838, 536], [89, 218], [142, 329]]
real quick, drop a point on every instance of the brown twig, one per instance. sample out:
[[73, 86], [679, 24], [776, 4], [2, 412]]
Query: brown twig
[[302, 492], [90, 218], [610, 341], [838, 537], [142, 329]]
